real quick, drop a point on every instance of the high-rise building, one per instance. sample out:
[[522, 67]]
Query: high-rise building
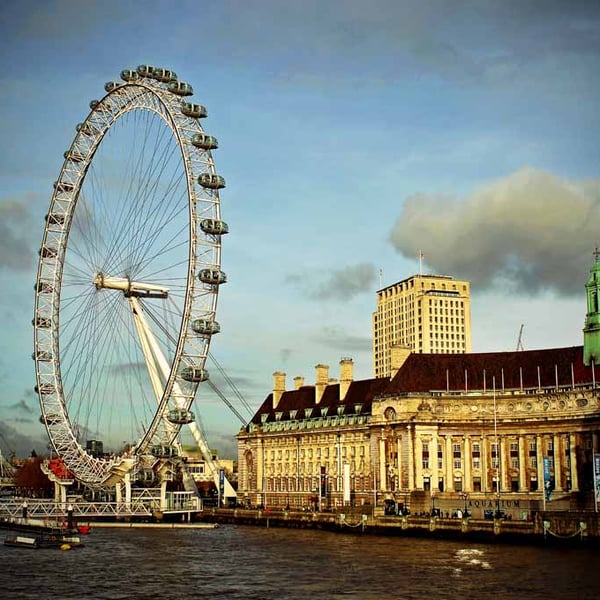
[[424, 314]]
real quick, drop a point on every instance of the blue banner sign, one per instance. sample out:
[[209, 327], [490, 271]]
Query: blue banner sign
[[547, 478]]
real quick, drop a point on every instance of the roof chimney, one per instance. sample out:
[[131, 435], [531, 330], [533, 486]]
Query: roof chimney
[[346, 375], [322, 374], [278, 387], [399, 354], [298, 382]]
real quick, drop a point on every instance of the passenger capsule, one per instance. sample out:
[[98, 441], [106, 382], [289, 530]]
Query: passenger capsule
[[129, 75], [196, 111], [74, 156], [180, 416], [214, 226], [55, 219], [161, 451], [48, 252], [63, 186], [212, 276], [109, 86], [194, 374], [42, 355], [164, 75], [44, 388], [206, 326], [211, 181], [41, 322], [43, 287], [87, 129], [100, 106], [180, 88], [50, 419], [145, 70], [204, 141], [146, 475]]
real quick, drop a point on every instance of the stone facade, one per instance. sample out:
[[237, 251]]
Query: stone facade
[[447, 432]]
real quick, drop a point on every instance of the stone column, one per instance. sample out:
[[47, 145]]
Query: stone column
[[449, 465], [411, 459], [433, 463], [468, 481], [573, 461], [399, 461], [484, 465], [418, 461], [523, 487], [557, 463], [260, 466], [503, 464], [382, 469]]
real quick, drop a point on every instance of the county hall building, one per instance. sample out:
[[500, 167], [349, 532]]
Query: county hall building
[[445, 431]]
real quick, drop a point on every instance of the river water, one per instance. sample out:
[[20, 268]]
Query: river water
[[252, 563]]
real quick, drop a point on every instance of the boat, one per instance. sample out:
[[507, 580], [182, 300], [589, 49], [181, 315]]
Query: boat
[[34, 536]]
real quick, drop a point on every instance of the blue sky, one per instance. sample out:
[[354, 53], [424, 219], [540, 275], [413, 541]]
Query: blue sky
[[352, 135]]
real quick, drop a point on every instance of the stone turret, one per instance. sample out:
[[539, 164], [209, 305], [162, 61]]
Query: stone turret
[[322, 378], [591, 330], [278, 387], [346, 376]]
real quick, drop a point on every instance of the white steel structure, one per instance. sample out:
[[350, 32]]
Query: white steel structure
[[127, 281]]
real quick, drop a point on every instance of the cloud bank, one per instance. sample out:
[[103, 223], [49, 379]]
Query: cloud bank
[[532, 230], [336, 284], [16, 248]]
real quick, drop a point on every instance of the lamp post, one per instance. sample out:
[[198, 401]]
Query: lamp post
[[465, 498]]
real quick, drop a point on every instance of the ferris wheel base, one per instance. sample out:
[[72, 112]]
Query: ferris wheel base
[[119, 471]]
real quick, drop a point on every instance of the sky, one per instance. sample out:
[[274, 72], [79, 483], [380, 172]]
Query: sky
[[353, 136]]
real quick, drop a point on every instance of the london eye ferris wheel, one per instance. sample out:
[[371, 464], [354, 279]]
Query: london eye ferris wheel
[[128, 277]]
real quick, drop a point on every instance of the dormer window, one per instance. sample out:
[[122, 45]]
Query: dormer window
[[308, 412], [293, 414], [278, 416], [324, 411], [357, 408], [264, 417], [340, 410]]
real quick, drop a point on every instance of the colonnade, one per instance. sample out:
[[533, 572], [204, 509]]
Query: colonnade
[[425, 457]]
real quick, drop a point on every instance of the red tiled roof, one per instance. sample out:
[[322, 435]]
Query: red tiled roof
[[359, 392], [556, 366], [560, 367]]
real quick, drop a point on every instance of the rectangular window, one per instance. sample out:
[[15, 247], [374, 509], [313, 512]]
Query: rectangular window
[[495, 461]]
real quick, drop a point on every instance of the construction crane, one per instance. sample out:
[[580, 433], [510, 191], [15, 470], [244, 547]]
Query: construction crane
[[520, 340]]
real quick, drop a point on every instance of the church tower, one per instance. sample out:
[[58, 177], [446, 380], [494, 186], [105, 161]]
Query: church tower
[[591, 330]]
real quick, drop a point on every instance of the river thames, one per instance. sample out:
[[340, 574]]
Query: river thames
[[251, 563]]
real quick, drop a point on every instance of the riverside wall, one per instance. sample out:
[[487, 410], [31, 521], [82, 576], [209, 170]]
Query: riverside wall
[[543, 528]]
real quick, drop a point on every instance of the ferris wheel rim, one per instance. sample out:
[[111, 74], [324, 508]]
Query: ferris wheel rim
[[121, 98]]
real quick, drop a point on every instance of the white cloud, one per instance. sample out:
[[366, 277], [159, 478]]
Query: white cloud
[[532, 229]]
